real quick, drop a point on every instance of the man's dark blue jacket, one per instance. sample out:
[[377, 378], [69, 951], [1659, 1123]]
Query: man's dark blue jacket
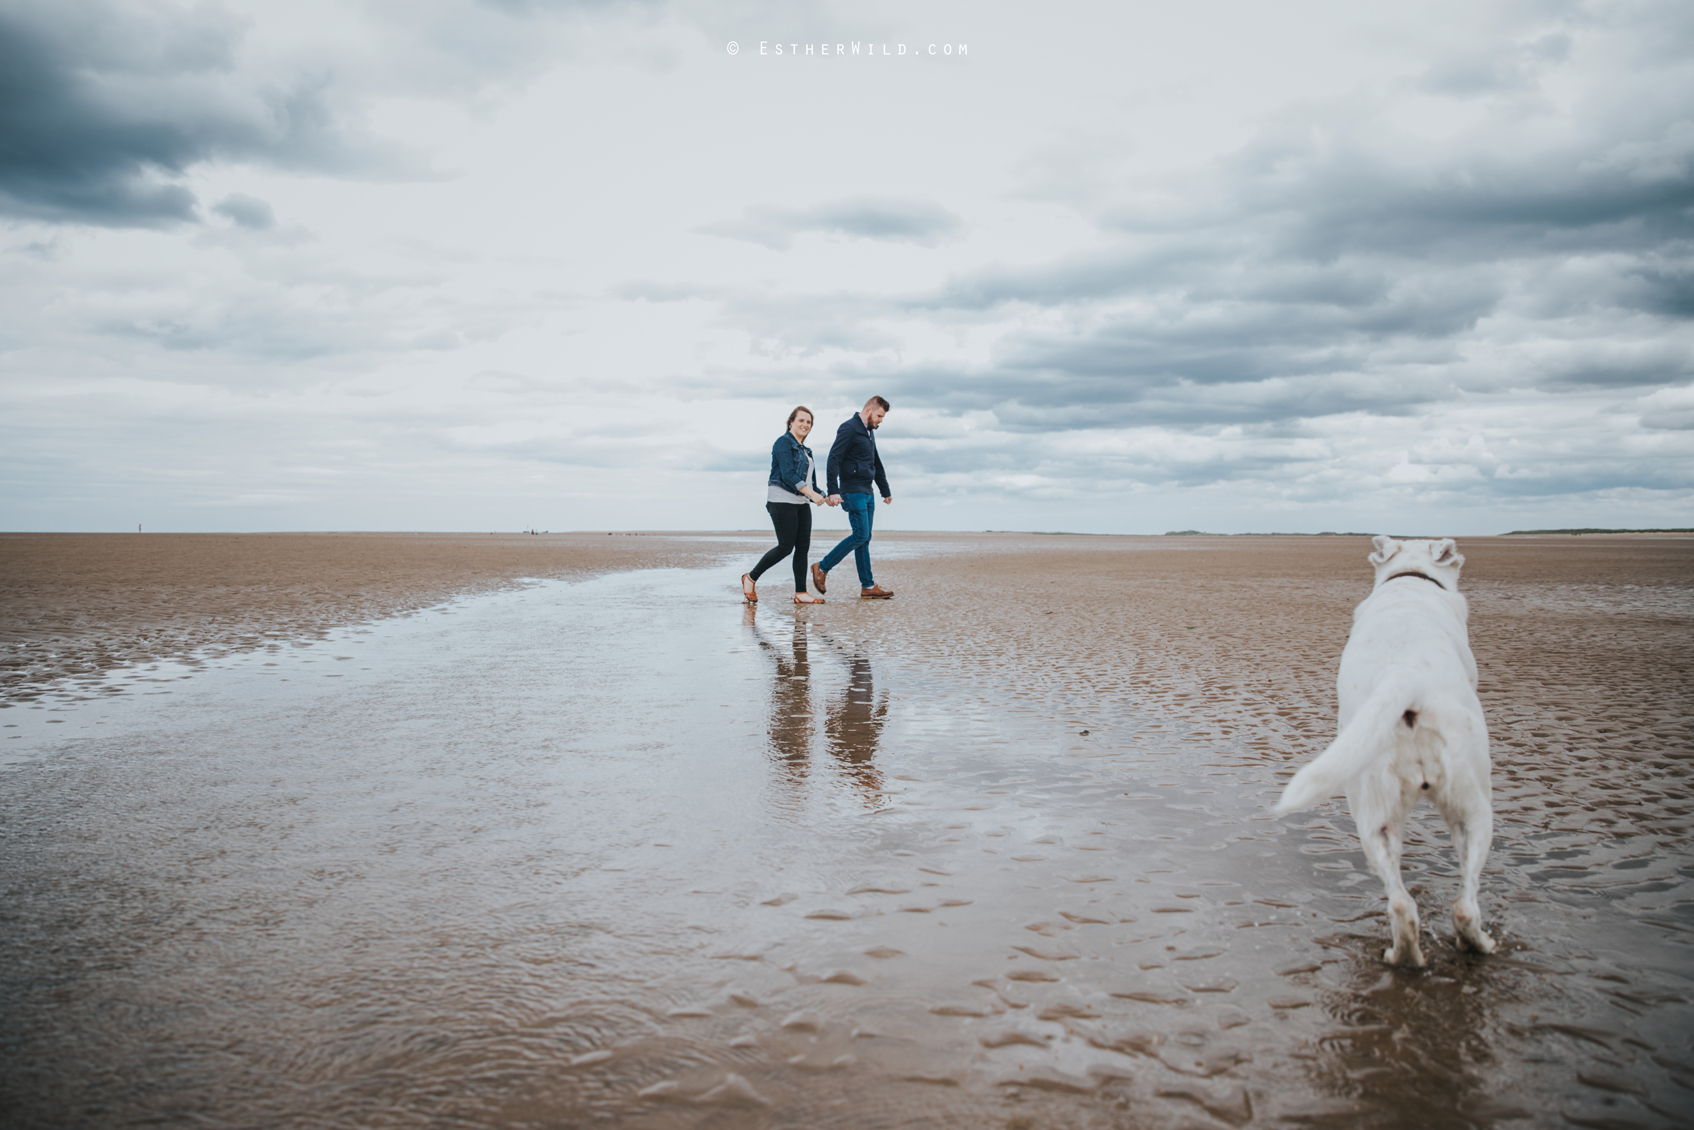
[[853, 461]]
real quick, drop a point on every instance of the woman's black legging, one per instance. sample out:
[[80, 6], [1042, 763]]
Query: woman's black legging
[[793, 535]]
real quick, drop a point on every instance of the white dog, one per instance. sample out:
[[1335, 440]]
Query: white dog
[[1410, 726]]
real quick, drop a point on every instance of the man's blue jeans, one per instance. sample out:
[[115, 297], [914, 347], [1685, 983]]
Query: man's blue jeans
[[861, 508]]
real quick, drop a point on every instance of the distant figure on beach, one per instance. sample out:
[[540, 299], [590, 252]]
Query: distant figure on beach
[[854, 466], [790, 493]]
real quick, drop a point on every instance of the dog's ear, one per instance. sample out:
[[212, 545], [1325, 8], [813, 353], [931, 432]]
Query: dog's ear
[[1386, 547], [1447, 553]]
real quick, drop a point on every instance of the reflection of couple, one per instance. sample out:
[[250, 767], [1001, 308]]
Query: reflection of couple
[[854, 469], [852, 724]]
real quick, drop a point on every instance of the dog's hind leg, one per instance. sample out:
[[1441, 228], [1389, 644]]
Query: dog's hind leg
[[1471, 826], [1380, 815]]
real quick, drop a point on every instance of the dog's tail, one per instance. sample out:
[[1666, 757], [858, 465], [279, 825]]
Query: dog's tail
[[1352, 751]]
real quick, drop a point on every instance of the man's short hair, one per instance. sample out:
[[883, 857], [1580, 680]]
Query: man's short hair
[[878, 401]]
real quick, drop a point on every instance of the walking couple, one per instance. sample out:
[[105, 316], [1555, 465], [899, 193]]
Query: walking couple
[[854, 468]]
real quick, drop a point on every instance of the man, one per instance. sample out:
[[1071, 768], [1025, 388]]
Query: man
[[854, 466]]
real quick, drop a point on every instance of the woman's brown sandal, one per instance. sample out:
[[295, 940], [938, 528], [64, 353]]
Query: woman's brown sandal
[[807, 598], [747, 589]]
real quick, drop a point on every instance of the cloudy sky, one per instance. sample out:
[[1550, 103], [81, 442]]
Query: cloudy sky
[[1120, 266]]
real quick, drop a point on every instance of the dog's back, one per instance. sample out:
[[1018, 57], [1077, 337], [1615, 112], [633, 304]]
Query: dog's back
[[1406, 627]]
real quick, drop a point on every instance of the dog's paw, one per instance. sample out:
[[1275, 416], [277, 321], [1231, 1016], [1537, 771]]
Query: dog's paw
[[1411, 957], [1467, 923], [1479, 940]]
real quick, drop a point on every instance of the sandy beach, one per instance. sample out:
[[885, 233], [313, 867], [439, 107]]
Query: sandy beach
[[553, 831], [80, 604]]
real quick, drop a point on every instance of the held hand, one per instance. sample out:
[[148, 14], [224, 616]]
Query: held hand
[[834, 500]]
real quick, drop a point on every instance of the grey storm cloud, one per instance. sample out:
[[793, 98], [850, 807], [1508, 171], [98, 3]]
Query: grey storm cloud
[[922, 222], [1619, 367], [1581, 476], [1039, 462], [1670, 420], [1036, 401], [1319, 279], [1599, 197], [106, 105], [246, 211], [102, 105]]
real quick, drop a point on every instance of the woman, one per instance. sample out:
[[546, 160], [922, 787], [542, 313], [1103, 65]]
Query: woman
[[792, 490]]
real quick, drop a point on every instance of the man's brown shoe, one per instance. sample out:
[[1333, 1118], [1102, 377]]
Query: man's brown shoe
[[817, 577], [875, 592]]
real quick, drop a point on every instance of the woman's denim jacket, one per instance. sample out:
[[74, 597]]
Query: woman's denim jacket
[[788, 463]]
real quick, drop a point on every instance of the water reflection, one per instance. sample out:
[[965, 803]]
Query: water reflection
[[854, 725], [853, 718], [791, 723], [1399, 1028]]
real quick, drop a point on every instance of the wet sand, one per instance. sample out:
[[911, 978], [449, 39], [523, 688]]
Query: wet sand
[[82, 604], [622, 852]]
